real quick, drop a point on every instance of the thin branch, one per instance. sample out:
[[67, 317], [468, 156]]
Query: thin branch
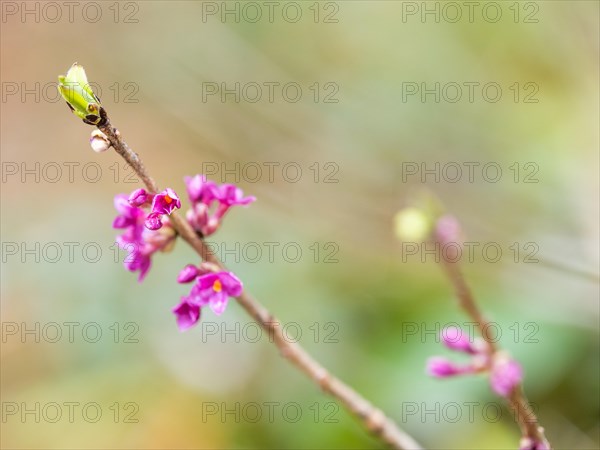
[[524, 415], [467, 301], [373, 419]]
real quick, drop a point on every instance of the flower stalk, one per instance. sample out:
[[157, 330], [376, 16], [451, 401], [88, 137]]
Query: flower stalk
[[372, 418]]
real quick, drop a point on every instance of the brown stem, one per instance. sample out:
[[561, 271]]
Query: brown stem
[[373, 419], [467, 301], [524, 415]]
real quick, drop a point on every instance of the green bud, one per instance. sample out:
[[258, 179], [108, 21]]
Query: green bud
[[80, 98], [412, 225]]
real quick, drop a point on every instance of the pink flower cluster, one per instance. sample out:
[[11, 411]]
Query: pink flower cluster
[[505, 373], [207, 196], [162, 204], [211, 288], [143, 233], [143, 217]]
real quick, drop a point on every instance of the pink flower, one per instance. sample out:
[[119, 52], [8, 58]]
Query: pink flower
[[203, 217], [140, 197], [138, 259], [505, 374], [230, 194], [448, 230], [153, 221], [162, 239], [529, 444], [162, 204], [128, 215], [165, 202], [212, 289], [456, 339], [138, 241], [199, 189], [131, 220], [188, 274], [186, 314], [441, 368], [197, 217]]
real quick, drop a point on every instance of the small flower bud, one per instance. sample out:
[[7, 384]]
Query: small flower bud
[[80, 98], [188, 274], [530, 444], [140, 197], [448, 234], [412, 225], [456, 339], [447, 229], [441, 368], [153, 221], [505, 374], [99, 141], [196, 186], [197, 216], [213, 225]]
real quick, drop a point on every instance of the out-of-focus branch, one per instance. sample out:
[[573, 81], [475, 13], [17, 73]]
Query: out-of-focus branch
[[524, 415]]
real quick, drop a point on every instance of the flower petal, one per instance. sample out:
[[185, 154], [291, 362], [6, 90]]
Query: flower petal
[[441, 368], [231, 284], [505, 375], [153, 221], [187, 314], [218, 302], [188, 274]]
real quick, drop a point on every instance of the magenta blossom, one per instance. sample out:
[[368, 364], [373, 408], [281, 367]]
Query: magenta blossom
[[200, 190], [530, 444], [198, 218], [140, 197], [129, 216], [186, 314], [505, 374], [230, 194], [441, 368], [202, 216], [188, 274], [153, 221], [131, 221], [211, 289], [456, 339], [140, 251], [214, 289], [165, 202], [162, 204], [448, 230], [138, 241], [138, 259]]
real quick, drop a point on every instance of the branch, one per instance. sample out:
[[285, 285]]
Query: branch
[[524, 415], [373, 419]]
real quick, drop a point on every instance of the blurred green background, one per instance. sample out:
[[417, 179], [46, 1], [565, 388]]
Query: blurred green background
[[158, 388]]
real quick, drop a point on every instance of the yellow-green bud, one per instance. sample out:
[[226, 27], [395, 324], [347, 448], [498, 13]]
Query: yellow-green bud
[[80, 98], [412, 225]]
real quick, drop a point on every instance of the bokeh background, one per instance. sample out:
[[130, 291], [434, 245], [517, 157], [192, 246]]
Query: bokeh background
[[363, 306]]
